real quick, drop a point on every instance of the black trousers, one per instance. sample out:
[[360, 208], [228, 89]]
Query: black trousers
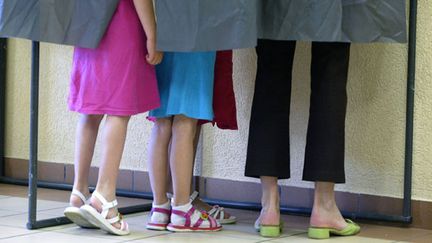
[[269, 141]]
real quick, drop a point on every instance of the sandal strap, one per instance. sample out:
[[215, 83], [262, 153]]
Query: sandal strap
[[194, 195], [198, 223], [119, 219], [213, 210], [80, 195], [212, 221], [115, 219], [217, 212], [187, 215], [161, 210], [106, 206]]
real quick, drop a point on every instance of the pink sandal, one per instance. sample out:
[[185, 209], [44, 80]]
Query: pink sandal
[[188, 225], [153, 225]]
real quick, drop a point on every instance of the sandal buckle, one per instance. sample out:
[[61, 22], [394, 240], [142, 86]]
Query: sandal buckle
[[204, 215]]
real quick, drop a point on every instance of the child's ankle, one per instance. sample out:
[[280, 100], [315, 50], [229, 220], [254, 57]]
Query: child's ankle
[[178, 219], [159, 216]]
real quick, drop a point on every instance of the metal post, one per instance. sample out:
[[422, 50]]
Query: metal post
[[409, 130], [3, 63], [33, 157]]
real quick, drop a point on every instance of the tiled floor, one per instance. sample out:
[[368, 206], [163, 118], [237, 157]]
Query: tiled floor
[[13, 217]]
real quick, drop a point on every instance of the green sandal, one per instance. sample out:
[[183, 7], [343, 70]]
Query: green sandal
[[268, 230], [271, 231], [324, 233]]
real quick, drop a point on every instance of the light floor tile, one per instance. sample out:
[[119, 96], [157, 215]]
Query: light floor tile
[[20, 220], [4, 213], [21, 204], [137, 232], [352, 239], [139, 219], [47, 237], [214, 237], [9, 231], [247, 231]]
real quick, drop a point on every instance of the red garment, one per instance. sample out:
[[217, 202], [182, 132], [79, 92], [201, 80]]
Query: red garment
[[224, 103]]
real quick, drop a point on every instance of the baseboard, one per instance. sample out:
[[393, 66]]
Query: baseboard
[[138, 181]]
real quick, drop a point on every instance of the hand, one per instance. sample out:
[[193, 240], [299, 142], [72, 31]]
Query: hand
[[153, 57]]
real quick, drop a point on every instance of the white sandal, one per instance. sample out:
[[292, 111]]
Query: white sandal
[[100, 218], [217, 212], [76, 215]]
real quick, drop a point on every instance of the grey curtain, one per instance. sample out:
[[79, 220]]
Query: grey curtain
[[201, 25], [73, 22], [333, 20]]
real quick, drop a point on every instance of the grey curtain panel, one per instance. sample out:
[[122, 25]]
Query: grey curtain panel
[[200, 25], [358, 21], [72, 22], [203, 25]]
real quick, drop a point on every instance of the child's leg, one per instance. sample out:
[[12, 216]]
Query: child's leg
[[158, 159], [184, 216], [181, 157], [114, 136], [86, 134]]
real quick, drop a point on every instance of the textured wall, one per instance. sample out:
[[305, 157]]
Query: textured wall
[[375, 122]]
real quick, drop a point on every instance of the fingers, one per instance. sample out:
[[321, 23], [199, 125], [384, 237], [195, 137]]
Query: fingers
[[154, 58]]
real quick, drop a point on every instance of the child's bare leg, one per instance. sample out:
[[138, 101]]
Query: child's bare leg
[[113, 141], [158, 159], [86, 134], [181, 157]]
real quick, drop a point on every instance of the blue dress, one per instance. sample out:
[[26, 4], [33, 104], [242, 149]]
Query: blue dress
[[185, 81]]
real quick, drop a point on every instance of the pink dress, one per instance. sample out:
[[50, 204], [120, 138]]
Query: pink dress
[[115, 78]]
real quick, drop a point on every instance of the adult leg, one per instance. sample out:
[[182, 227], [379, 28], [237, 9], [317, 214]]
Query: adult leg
[[324, 157], [268, 149]]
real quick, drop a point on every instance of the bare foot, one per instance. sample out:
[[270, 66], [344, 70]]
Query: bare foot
[[327, 215], [325, 212], [269, 217]]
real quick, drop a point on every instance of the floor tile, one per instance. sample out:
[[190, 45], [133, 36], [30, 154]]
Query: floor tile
[[137, 232], [20, 220], [46, 237], [9, 231], [214, 237], [352, 239], [21, 204], [138, 219], [4, 213], [391, 233], [247, 231], [51, 203], [420, 239]]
